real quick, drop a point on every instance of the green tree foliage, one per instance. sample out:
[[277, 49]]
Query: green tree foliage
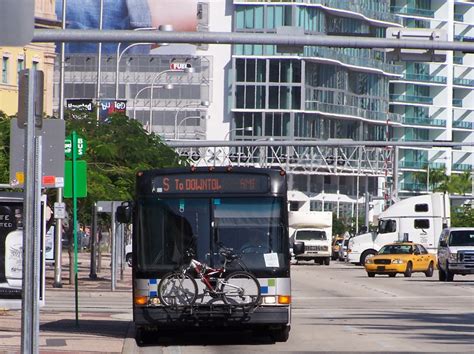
[[4, 148], [339, 226], [116, 150], [462, 216]]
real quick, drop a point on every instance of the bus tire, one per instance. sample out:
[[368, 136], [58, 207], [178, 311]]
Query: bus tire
[[281, 334]]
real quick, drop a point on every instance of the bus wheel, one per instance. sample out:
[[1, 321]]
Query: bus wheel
[[281, 334]]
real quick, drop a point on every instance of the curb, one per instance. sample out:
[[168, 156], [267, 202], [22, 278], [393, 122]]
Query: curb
[[129, 344]]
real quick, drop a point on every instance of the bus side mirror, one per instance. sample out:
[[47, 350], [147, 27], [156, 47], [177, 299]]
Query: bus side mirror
[[298, 248], [443, 243], [123, 213]]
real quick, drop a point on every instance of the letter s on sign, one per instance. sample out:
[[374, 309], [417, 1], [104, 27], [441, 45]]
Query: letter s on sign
[[166, 184]]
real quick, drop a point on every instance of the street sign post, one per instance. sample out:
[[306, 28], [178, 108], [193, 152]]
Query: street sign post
[[74, 147]]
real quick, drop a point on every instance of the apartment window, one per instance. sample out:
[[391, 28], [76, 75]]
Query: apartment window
[[5, 70], [250, 70], [20, 65], [250, 96], [278, 16], [277, 124]]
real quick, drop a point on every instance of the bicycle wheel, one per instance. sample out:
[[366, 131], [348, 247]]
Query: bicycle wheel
[[177, 289], [241, 289]]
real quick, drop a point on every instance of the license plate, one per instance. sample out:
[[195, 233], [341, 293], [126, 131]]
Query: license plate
[[381, 268]]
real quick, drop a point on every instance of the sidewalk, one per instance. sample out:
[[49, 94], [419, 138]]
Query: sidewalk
[[104, 316]]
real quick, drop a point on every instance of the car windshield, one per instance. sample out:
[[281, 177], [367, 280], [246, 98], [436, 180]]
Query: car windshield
[[396, 249], [461, 238], [308, 235]]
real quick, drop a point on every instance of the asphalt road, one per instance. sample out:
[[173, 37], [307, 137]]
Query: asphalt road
[[338, 308]]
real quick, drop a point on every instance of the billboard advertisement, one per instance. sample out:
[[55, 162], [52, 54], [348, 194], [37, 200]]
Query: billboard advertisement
[[182, 15], [11, 250], [109, 107], [80, 104]]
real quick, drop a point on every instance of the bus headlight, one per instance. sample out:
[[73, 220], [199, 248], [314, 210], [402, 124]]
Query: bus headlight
[[269, 300], [453, 257]]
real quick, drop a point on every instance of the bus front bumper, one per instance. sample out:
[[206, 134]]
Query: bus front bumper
[[221, 316]]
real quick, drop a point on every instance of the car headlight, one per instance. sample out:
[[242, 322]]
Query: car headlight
[[369, 261], [453, 257], [397, 261]]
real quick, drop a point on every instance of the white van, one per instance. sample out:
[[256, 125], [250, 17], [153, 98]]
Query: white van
[[455, 252]]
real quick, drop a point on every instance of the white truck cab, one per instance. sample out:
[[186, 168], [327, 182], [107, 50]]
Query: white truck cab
[[418, 219]]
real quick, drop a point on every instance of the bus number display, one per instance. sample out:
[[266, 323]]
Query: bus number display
[[227, 183]]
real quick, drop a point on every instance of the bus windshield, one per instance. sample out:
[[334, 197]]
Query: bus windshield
[[251, 226]]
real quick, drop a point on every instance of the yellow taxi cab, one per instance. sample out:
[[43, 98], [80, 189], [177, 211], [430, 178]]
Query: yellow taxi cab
[[401, 257]]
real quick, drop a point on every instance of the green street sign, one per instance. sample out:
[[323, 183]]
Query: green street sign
[[80, 179], [80, 145]]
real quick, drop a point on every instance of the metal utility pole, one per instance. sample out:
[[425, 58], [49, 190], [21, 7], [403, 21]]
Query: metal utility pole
[[59, 197], [31, 210], [99, 59], [93, 242]]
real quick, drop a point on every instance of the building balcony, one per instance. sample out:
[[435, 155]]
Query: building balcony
[[421, 164], [462, 167], [356, 112], [463, 82], [459, 17], [412, 186], [458, 59], [462, 124], [457, 102], [424, 121], [411, 99], [362, 61], [425, 78], [406, 10], [350, 6], [461, 38], [411, 138]]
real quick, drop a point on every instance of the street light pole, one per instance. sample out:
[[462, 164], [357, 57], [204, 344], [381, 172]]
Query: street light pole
[[152, 87], [245, 129], [203, 104], [118, 54], [99, 58], [167, 86], [184, 120]]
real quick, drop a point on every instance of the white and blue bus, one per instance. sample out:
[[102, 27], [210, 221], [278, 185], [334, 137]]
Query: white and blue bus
[[203, 208]]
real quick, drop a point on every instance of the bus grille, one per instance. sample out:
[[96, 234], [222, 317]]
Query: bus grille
[[315, 248]]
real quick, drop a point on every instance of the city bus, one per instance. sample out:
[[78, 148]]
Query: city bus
[[205, 209]]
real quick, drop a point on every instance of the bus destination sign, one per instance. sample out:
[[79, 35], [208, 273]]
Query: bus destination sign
[[210, 183]]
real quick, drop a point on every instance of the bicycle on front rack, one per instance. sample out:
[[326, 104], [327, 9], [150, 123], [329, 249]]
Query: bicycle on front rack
[[239, 288]]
